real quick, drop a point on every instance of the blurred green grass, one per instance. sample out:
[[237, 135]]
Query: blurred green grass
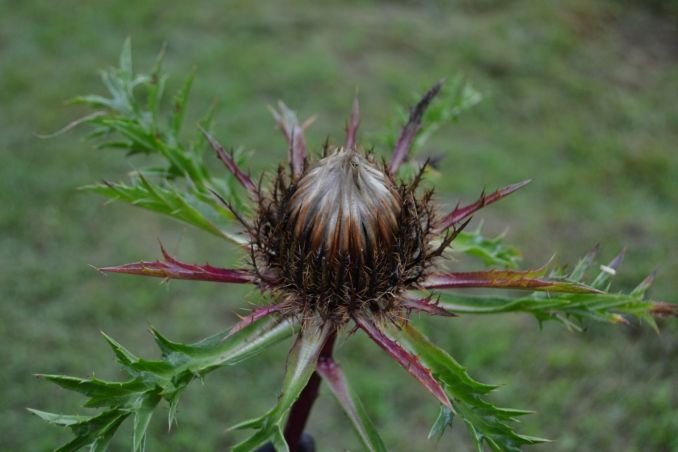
[[579, 95]]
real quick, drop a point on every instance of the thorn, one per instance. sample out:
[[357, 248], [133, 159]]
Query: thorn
[[663, 309], [306, 124], [98, 269], [649, 279], [616, 262], [352, 124], [164, 252], [410, 129], [69, 126], [620, 320], [459, 214]]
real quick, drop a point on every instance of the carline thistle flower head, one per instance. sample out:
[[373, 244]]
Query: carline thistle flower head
[[333, 240], [339, 236], [343, 238]]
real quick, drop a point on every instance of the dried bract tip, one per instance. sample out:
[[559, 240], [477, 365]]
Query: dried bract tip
[[663, 309]]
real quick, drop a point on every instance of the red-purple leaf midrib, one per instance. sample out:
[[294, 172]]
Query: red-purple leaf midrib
[[407, 360], [504, 279], [255, 315], [353, 124], [461, 213], [425, 305], [174, 269], [229, 162], [409, 131]]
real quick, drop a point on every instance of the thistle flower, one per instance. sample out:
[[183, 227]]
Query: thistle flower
[[337, 241]]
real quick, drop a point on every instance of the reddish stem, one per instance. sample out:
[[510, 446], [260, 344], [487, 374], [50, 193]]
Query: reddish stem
[[300, 411]]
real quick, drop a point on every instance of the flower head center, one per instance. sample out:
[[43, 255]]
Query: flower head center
[[345, 205], [343, 238]]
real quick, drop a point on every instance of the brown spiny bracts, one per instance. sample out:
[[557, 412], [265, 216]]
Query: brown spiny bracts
[[343, 238]]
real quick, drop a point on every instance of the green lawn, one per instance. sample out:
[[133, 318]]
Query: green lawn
[[580, 95]]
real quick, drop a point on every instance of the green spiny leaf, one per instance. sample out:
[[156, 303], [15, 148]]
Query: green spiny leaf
[[455, 97], [156, 88], [301, 363], [335, 379], [569, 308], [126, 59], [64, 420], [123, 121], [443, 421], [180, 100], [487, 423], [153, 381], [142, 418], [170, 201], [94, 431], [492, 251], [584, 263]]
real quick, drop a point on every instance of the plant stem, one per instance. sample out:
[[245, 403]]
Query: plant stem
[[300, 411]]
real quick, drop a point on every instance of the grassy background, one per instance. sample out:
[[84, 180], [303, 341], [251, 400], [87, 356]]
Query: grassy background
[[580, 95]]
